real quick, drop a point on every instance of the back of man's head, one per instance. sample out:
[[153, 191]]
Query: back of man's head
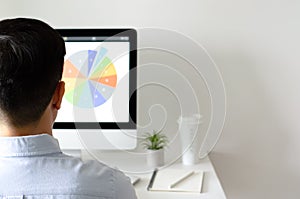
[[31, 65]]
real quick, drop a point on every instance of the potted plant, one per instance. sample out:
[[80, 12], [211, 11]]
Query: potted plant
[[154, 143]]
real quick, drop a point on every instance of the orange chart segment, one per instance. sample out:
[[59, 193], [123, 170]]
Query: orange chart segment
[[109, 80], [71, 71]]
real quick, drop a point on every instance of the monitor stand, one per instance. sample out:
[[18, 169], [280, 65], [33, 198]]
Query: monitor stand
[[96, 139]]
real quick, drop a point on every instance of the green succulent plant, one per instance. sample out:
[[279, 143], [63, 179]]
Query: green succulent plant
[[155, 140]]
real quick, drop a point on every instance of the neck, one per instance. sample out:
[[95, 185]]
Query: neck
[[11, 131], [42, 126]]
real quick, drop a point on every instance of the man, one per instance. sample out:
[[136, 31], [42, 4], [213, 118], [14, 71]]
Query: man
[[31, 162]]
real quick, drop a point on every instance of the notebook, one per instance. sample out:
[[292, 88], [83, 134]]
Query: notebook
[[177, 180]]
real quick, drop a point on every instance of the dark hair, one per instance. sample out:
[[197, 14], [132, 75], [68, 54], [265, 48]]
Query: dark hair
[[31, 65]]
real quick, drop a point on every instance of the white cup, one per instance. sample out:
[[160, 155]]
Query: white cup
[[190, 139]]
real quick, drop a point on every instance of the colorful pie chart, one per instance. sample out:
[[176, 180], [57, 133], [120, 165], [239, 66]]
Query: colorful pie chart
[[90, 78]]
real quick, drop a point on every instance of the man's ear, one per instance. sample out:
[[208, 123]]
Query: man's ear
[[58, 95]]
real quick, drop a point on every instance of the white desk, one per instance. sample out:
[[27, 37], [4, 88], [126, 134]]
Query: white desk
[[136, 165]]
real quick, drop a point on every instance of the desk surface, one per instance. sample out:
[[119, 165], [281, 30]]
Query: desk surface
[[211, 189]]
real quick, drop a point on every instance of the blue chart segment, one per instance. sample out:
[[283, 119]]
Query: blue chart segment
[[90, 78]]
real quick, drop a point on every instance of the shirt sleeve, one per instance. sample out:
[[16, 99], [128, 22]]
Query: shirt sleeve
[[123, 187]]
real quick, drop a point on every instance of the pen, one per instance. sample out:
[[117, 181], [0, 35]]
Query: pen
[[152, 180], [181, 179]]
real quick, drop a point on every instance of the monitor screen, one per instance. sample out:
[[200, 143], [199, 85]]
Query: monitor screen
[[100, 79]]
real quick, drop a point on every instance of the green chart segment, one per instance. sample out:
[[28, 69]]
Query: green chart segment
[[90, 78]]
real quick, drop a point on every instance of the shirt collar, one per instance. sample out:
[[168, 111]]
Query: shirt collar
[[32, 145]]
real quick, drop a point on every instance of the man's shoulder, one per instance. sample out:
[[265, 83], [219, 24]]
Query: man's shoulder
[[86, 172], [96, 177]]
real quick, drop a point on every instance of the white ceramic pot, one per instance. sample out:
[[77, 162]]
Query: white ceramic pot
[[155, 158]]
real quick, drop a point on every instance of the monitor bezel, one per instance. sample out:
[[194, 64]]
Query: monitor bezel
[[132, 34]]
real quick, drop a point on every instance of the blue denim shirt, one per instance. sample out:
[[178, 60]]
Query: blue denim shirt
[[33, 167]]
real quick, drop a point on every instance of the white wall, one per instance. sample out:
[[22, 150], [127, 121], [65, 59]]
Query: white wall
[[256, 46]]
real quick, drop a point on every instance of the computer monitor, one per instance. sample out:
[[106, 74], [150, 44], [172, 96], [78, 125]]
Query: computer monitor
[[99, 106]]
